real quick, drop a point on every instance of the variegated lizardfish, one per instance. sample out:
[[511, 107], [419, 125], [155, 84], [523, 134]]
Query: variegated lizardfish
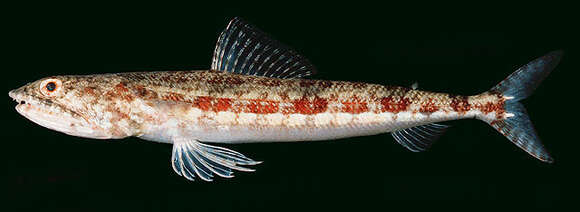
[[255, 92]]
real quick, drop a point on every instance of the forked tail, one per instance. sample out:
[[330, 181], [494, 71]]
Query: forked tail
[[516, 124]]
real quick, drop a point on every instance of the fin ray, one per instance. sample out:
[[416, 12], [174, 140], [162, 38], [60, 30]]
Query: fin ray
[[191, 159], [517, 86], [185, 167], [200, 168], [191, 168], [520, 131], [243, 49], [214, 167], [415, 141], [176, 161], [522, 82]]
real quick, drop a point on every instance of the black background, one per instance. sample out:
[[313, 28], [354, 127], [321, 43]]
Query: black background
[[457, 49]]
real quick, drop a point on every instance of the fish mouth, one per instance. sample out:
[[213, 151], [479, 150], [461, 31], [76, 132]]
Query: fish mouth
[[47, 113], [27, 103], [55, 116], [20, 99]]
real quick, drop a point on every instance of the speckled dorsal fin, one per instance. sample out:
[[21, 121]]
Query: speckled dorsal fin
[[191, 158], [419, 138], [243, 49]]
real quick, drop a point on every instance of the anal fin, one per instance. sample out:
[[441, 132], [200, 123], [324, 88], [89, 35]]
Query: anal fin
[[191, 158], [419, 138]]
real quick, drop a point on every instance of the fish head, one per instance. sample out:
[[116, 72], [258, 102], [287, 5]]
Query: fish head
[[59, 103]]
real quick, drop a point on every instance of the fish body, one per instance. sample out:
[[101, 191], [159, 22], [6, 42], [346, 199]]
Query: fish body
[[213, 106], [255, 92]]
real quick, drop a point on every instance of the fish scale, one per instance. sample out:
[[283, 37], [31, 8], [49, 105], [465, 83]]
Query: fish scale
[[254, 92], [215, 99]]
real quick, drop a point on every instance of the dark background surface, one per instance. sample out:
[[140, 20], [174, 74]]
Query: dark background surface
[[444, 49]]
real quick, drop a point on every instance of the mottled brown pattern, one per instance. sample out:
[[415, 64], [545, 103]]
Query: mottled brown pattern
[[171, 96], [268, 82], [488, 103], [355, 105], [429, 106], [307, 106], [203, 102], [89, 90], [355, 97], [325, 84], [307, 83], [460, 104], [394, 104], [119, 99], [223, 105]]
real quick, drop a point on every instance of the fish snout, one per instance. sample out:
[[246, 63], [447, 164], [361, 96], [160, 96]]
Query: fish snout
[[15, 94], [12, 93], [18, 95]]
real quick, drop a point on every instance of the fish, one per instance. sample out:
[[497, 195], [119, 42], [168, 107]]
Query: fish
[[259, 90]]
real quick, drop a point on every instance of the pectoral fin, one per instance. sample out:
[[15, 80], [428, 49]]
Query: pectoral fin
[[191, 158]]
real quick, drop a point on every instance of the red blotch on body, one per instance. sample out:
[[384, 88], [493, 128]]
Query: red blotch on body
[[301, 106], [259, 106], [253, 106], [120, 91], [121, 88], [428, 107], [222, 104], [355, 106], [320, 105], [203, 103], [490, 107], [460, 104], [495, 106], [173, 97], [305, 106], [394, 105], [90, 90]]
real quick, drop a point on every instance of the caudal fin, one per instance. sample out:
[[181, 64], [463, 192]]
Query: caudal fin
[[516, 125]]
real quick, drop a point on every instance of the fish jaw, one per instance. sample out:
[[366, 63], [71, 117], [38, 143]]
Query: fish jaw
[[52, 115]]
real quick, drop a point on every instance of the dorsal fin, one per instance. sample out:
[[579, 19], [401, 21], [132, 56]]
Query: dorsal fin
[[419, 138], [243, 49]]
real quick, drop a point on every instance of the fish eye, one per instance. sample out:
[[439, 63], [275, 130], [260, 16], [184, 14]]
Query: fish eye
[[50, 87]]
